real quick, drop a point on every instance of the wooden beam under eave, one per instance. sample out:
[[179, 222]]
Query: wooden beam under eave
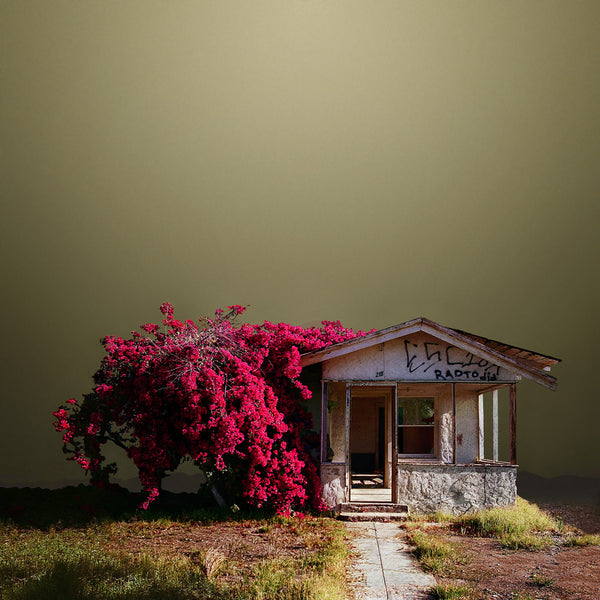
[[460, 341]]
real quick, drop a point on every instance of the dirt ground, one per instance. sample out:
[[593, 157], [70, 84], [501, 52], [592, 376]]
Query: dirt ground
[[494, 572], [241, 545], [556, 573]]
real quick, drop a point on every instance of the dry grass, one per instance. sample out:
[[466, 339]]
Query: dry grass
[[521, 526], [172, 558]]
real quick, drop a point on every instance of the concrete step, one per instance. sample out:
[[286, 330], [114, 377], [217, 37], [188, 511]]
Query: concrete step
[[373, 507], [373, 516]]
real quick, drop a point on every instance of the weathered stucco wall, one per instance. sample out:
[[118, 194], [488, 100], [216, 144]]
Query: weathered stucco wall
[[417, 357], [333, 484], [467, 425], [455, 489]]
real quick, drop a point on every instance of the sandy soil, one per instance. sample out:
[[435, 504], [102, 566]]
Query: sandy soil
[[556, 573]]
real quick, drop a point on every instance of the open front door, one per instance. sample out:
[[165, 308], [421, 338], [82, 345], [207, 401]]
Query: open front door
[[370, 449]]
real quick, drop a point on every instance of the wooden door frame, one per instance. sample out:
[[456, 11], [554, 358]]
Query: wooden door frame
[[389, 391]]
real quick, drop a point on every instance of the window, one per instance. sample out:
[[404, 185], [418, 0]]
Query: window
[[416, 426]]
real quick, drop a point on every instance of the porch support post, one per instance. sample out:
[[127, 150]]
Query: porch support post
[[495, 424], [454, 423], [324, 415], [513, 423], [481, 415], [348, 465], [394, 423]]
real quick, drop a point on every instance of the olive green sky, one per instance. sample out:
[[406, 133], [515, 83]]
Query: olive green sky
[[369, 161]]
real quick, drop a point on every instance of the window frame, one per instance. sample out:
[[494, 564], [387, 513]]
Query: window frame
[[434, 453]]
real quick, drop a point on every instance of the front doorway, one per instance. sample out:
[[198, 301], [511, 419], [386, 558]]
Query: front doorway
[[370, 444]]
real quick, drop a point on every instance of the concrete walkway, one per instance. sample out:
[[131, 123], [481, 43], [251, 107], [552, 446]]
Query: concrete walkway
[[387, 569]]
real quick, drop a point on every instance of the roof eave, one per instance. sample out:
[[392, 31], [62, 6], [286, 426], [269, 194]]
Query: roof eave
[[452, 336]]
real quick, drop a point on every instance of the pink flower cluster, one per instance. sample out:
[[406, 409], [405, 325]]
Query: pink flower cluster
[[226, 397]]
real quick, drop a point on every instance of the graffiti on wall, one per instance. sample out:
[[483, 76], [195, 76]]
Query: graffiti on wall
[[447, 363]]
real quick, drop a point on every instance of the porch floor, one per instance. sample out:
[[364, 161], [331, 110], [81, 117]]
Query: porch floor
[[375, 495]]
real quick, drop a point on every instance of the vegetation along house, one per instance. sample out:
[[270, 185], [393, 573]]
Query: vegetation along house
[[420, 413]]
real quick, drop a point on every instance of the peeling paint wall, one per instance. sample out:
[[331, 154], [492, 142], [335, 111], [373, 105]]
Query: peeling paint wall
[[333, 485], [417, 357], [456, 489], [467, 425]]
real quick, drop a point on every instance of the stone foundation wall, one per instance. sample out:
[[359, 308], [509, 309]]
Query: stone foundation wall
[[456, 489], [333, 484]]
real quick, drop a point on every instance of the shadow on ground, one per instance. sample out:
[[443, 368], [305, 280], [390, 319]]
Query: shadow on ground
[[75, 506]]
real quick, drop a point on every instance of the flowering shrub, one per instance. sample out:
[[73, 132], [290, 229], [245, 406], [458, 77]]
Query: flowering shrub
[[227, 398]]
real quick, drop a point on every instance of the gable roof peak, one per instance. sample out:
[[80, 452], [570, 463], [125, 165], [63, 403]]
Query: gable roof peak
[[528, 363]]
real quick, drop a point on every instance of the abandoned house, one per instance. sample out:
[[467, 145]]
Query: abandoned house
[[420, 415]]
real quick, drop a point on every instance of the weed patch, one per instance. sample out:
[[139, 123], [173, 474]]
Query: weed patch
[[541, 580], [521, 526], [582, 540], [166, 558], [452, 592], [435, 555]]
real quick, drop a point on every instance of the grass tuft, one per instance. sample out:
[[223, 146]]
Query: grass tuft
[[435, 556], [525, 541], [452, 592], [583, 540], [74, 557], [520, 526], [213, 563], [541, 580], [436, 517]]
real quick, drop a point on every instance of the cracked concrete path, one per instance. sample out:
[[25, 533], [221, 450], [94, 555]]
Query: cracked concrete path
[[389, 571]]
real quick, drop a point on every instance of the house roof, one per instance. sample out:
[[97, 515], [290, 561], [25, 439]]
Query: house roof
[[527, 363]]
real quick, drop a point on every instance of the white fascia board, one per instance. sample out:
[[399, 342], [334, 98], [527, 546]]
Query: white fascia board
[[378, 337]]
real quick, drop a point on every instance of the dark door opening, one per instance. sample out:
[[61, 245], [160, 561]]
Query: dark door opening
[[367, 442]]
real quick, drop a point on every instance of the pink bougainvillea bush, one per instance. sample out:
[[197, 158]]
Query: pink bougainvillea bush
[[224, 396]]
